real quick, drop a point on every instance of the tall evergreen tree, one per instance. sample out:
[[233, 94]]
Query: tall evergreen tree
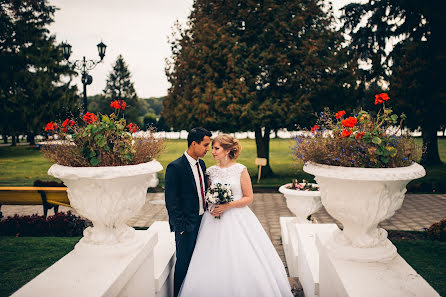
[[32, 69], [253, 65], [119, 86], [403, 41]]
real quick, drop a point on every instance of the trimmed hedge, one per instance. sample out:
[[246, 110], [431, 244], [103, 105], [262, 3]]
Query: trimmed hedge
[[60, 224], [437, 231]]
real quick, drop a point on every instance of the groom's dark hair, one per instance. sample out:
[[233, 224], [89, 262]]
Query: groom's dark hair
[[197, 135]]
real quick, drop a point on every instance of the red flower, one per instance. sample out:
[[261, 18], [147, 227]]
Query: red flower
[[340, 114], [350, 122], [315, 127], [68, 122], [380, 98], [123, 104], [90, 118], [132, 127], [346, 133], [118, 104], [115, 104], [360, 134], [51, 126]]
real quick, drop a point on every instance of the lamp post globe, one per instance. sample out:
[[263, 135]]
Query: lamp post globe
[[101, 50], [66, 50]]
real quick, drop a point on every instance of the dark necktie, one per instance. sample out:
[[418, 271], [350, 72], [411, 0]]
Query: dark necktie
[[201, 186]]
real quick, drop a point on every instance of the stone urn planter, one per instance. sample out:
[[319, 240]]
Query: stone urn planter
[[361, 198], [301, 203], [109, 197]]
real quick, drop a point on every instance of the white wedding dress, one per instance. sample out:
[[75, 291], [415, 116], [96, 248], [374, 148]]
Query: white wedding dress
[[233, 256]]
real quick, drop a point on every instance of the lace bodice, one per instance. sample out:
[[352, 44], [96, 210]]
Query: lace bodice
[[230, 176]]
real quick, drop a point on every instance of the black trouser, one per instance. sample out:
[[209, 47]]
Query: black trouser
[[185, 244]]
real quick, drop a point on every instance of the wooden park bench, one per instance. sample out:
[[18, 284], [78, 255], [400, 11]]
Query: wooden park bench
[[49, 197]]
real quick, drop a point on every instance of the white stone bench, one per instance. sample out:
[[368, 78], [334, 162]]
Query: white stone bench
[[114, 271], [395, 278], [104, 272], [289, 246], [322, 274], [308, 260], [164, 254]]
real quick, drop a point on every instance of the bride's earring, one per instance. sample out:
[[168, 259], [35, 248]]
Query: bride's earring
[[226, 158]]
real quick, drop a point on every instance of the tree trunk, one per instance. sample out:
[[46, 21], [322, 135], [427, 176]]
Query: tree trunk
[[14, 139], [5, 138], [18, 138], [262, 144], [430, 144], [30, 138]]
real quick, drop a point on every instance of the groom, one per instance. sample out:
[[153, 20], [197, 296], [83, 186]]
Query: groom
[[185, 186]]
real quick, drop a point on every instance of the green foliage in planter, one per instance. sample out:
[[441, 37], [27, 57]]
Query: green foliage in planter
[[361, 140], [101, 140]]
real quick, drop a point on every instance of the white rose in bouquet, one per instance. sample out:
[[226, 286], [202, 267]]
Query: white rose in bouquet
[[218, 194]]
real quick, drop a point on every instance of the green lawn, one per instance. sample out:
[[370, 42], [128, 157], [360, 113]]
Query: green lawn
[[428, 258], [23, 258], [20, 166], [280, 154]]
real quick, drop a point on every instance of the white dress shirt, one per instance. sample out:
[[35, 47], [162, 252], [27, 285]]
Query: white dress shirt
[[193, 166]]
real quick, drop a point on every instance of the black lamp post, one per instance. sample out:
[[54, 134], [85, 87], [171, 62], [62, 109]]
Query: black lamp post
[[84, 65]]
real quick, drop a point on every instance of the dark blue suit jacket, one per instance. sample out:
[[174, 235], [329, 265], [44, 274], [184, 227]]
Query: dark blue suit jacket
[[181, 195]]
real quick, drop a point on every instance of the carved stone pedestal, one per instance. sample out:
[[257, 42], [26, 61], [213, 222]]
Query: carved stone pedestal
[[361, 198]]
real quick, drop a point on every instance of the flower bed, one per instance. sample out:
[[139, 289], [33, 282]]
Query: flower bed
[[100, 140], [303, 186], [360, 140]]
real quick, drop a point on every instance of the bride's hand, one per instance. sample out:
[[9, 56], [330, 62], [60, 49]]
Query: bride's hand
[[220, 209]]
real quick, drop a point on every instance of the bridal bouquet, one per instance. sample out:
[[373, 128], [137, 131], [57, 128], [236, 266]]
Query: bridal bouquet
[[219, 194], [100, 140]]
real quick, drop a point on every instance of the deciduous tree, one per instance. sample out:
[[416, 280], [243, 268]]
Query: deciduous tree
[[403, 42], [253, 65], [32, 71]]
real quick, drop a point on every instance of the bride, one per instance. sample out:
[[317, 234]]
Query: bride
[[233, 256]]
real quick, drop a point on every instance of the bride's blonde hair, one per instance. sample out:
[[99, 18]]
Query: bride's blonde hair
[[230, 144]]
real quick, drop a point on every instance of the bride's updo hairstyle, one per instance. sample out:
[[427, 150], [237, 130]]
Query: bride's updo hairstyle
[[229, 143]]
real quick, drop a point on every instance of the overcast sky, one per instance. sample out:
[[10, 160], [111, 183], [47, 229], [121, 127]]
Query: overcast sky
[[137, 29]]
